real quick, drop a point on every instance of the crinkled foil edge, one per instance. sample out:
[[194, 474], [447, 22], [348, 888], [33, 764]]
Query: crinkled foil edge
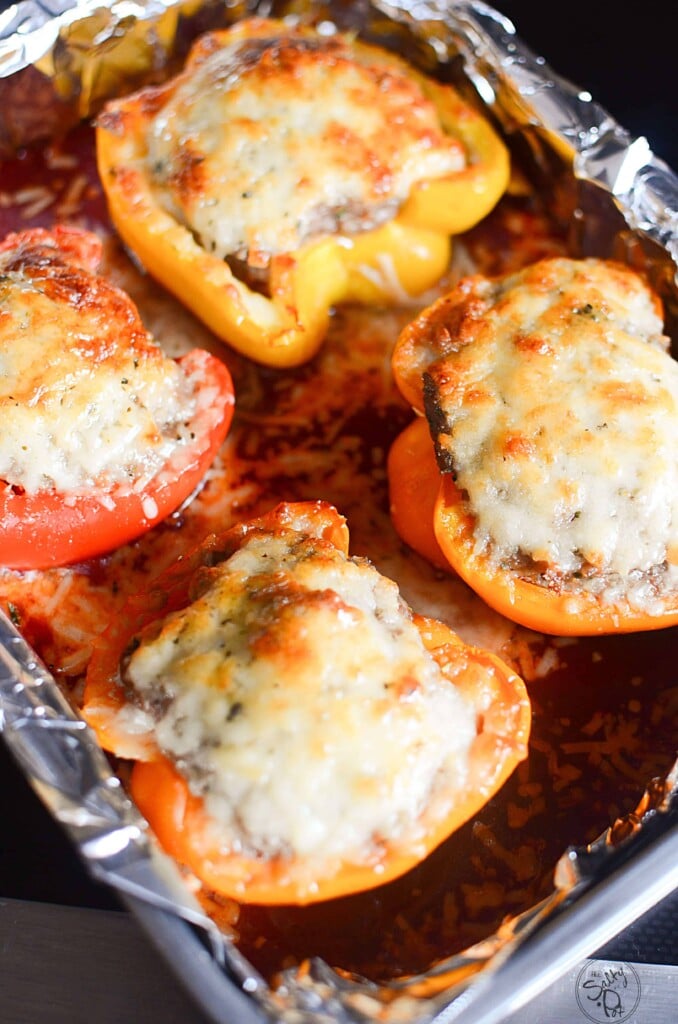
[[59, 61], [528, 98]]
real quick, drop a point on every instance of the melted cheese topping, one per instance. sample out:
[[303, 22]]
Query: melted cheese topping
[[270, 142], [298, 700], [86, 398], [557, 409]]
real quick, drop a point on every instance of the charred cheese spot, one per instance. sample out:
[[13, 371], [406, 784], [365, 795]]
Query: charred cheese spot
[[557, 411], [86, 396], [297, 697], [278, 139]]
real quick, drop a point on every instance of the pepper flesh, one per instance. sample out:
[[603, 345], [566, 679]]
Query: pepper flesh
[[406, 255], [177, 816], [414, 482]]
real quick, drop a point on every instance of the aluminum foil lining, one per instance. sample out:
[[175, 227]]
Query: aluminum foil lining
[[59, 61]]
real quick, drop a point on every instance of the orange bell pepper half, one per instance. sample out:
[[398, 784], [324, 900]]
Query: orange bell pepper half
[[178, 817], [553, 603]]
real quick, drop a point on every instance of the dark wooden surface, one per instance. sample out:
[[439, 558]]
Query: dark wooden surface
[[67, 965]]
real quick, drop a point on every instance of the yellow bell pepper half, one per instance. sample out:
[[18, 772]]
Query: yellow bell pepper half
[[403, 257]]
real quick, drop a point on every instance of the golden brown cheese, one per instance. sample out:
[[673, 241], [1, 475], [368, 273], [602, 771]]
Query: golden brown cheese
[[278, 139], [297, 695], [555, 405], [86, 396]]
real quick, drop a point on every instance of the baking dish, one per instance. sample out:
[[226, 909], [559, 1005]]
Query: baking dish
[[641, 187]]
